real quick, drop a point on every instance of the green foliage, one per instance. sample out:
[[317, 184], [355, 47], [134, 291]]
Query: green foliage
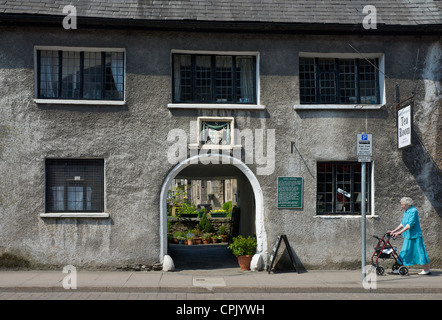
[[222, 230], [206, 236], [204, 224], [243, 246], [227, 206], [179, 235], [187, 208]]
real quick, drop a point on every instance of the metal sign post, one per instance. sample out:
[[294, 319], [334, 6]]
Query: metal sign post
[[363, 228], [364, 153]]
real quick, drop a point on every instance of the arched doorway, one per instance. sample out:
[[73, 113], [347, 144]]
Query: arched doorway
[[223, 160]]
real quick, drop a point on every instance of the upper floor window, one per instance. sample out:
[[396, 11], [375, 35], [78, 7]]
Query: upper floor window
[[339, 81], [80, 75], [208, 78]]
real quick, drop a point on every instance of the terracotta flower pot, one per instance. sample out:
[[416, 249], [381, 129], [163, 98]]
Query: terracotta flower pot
[[244, 261], [190, 242]]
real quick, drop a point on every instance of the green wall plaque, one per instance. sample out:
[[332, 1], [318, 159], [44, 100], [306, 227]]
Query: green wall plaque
[[290, 192]]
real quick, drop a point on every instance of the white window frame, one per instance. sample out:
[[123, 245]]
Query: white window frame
[[77, 101], [371, 215], [382, 91], [237, 106], [103, 214], [197, 135]]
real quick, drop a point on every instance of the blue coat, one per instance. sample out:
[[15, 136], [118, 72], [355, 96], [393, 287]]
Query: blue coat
[[411, 218]]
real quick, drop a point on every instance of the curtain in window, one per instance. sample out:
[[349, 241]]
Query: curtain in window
[[244, 67], [49, 74], [216, 133], [118, 70], [58, 196]]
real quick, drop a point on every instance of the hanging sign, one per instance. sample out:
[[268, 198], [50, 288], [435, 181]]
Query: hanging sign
[[290, 192], [404, 127]]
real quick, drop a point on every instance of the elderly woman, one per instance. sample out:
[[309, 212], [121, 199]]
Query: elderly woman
[[413, 250]]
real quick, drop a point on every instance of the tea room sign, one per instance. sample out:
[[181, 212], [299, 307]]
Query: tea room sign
[[404, 127]]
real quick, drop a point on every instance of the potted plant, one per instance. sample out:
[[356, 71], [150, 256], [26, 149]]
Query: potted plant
[[218, 213], [197, 236], [206, 237], [204, 224], [215, 238], [190, 238], [243, 249], [181, 239], [223, 233]]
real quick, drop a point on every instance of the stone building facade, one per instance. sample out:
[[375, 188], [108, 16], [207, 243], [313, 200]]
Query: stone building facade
[[96, 122]]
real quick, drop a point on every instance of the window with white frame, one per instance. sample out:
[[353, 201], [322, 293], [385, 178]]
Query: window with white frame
[[326, 80], [74, 185], [214, 78], [339, 188], [76, 74]]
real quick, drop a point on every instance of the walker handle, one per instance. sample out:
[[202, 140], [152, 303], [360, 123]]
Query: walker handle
[[389, 236]]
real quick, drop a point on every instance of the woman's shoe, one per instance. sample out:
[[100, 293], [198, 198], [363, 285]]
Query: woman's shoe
[[424, 273]]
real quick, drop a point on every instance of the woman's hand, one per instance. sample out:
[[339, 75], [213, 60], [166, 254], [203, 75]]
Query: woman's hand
[[395, 234]]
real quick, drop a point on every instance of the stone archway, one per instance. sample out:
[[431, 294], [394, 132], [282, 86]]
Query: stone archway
[[261, 236]]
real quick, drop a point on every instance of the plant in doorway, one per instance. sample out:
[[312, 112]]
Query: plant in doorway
[[190, 238], [223, 233], [206, 237], [244, 249]]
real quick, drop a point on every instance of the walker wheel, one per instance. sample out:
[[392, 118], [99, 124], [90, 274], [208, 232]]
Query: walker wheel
[[380, 270], [396, 266], [403, 271]]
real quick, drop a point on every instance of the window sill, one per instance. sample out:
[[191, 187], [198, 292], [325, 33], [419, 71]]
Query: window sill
[[215, 106], [345, 216], [74, 215], [338, 106], [81, 102]]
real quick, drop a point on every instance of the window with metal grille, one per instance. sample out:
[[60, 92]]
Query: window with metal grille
[[74, 185], [214, 78], [339, 188], [339, 81], [80, 75]]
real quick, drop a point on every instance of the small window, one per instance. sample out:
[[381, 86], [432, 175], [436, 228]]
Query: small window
[[214, 79], [339, 81], [80, 75], [339, 188], [74, 185], [216, 133]]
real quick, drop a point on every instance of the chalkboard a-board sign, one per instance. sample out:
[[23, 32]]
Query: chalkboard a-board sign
[[275, 251], [290, 192]]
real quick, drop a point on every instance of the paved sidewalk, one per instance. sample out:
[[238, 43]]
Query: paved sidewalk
[[203, 281]]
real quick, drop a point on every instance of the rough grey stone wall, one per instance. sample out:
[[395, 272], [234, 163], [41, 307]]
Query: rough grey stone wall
[[132, 140]]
